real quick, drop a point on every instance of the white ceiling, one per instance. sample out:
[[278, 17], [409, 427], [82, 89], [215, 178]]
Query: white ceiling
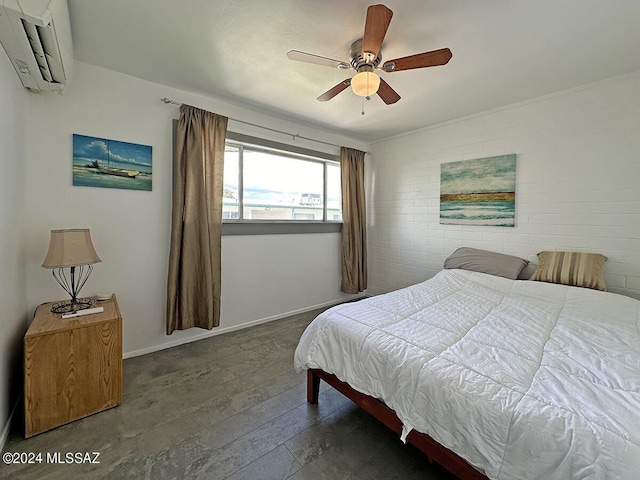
[[504, 51]]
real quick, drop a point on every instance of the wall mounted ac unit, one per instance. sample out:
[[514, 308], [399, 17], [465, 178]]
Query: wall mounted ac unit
[[36, 35]]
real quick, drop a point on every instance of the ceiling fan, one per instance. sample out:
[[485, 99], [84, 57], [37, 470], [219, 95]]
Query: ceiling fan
[[366, 58]]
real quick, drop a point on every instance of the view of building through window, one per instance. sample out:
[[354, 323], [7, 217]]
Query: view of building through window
[[268, 185]]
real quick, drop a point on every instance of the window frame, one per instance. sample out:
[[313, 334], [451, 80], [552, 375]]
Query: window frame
[[242, 226]]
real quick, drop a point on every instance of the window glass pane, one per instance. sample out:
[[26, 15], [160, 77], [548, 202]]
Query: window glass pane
[[334, 193], [230, 195], [281, 188]]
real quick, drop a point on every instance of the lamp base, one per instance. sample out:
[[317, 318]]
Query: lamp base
[[70, 306]]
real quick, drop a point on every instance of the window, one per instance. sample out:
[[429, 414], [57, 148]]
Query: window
[[266, 183]]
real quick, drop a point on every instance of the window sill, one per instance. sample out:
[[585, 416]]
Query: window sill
[[279, 228]]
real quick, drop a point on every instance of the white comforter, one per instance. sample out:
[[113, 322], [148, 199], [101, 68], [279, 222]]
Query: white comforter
[[522, 379]]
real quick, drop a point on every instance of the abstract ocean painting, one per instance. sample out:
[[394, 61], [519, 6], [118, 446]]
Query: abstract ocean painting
[[100, 162], [479, 192]]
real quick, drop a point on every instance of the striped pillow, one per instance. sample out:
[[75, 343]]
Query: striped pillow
[[571, 268]]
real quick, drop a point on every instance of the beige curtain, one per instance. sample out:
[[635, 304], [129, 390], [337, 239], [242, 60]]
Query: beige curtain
[[354, 228], [193, 290]]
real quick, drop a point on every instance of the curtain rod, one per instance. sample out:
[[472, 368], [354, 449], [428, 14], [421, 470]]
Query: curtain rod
[[292, 135]]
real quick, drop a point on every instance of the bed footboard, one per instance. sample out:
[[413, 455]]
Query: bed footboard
[[432, 449]]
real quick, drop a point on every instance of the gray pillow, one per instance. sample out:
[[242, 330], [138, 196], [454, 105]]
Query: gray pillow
[[483, 261]]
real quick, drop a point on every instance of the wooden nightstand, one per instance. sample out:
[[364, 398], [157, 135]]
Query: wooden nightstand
[[72, 367]]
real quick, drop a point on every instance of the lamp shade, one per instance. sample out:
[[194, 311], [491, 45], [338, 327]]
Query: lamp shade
[[70, 248], [365, 84]]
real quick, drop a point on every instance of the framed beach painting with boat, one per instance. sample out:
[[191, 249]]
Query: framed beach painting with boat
[[479, 192], [100, 162]]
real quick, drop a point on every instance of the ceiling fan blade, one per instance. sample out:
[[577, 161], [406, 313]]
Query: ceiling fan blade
[[420, 60], [316, 59], [375, 28], [329, 94], [387, 94]]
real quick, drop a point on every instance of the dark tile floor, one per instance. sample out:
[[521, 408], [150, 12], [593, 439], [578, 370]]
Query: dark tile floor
[[230, 406]]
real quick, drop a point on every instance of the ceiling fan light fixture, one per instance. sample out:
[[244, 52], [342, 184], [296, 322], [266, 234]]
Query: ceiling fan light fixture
[[365, 84]]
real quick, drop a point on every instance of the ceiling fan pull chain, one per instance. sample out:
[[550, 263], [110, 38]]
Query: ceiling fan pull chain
[[362, 112]]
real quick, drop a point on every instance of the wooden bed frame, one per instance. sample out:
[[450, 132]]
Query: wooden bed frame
[[432, 449]]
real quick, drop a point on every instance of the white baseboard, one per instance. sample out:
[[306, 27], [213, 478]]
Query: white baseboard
[[221, 330], [7, 427]]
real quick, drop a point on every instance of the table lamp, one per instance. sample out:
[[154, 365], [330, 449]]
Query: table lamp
[[71, 257]]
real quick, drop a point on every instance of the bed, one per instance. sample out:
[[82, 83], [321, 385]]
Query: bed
[[492, 377]]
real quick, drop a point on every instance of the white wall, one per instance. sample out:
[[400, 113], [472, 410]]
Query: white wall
[[263, 273], [130, 229], [13, 287], [578, 185]]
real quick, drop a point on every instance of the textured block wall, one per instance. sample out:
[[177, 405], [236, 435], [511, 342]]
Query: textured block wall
[[577, 188]]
